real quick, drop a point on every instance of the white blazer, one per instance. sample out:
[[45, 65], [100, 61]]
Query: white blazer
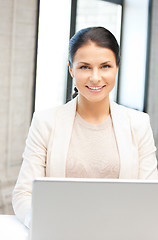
[[48, 142]]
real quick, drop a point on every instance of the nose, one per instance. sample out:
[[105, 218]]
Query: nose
[[95, 76]]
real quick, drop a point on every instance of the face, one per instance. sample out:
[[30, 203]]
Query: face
[[94, 70]]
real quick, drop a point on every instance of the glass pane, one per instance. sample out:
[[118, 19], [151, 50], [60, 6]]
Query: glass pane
[[52, 58], [100, 13], [134, 54]]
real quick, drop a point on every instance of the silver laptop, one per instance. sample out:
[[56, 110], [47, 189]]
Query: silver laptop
[[94, 209]]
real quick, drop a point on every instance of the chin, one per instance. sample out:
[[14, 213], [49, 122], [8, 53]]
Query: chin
[[98, 99]]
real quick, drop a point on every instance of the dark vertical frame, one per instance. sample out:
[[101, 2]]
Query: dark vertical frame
[[118, 2], [121, 42], [35, 56], [147, 56], [72, 32]]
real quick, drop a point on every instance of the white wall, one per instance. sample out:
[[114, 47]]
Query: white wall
[[54, 27]]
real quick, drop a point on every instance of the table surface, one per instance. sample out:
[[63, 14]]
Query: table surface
[[12, 228]]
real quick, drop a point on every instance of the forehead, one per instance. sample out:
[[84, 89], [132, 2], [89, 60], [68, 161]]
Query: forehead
[[92, 52]]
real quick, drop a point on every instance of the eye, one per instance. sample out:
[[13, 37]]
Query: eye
[[84, 67], [106, 66]]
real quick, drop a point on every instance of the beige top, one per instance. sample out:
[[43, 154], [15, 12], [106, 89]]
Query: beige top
[[93, 151]]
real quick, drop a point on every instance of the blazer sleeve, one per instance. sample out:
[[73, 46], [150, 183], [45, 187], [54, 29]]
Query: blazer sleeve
[[146, 150], [33, 166]]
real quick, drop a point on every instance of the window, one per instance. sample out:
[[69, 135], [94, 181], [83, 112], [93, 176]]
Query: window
[[128, 20], [52, 57], [97, 13], [134, 54]]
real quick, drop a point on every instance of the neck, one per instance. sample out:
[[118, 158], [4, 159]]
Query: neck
[[93, 112]]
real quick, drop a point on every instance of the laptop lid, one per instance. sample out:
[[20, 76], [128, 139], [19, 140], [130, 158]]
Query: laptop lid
[[94, 209]]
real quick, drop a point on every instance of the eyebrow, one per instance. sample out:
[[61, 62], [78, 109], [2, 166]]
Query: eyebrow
[[105, 63], [84, 63], [90, 64]]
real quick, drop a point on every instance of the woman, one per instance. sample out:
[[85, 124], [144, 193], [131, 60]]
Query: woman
[[90, 136]]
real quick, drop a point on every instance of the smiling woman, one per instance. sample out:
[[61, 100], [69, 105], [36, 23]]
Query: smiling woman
[[90, 136]]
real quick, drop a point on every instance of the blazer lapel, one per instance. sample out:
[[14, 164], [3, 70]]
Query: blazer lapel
[[125, 141], [61, 138]]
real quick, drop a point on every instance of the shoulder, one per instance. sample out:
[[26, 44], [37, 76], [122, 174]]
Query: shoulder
[[137, 119], [129, 112], [132, 113], [49, 116]]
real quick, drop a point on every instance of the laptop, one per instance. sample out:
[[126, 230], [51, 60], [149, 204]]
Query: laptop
[[94, 209]]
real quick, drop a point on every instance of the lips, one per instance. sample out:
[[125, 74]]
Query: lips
[[95, 89]]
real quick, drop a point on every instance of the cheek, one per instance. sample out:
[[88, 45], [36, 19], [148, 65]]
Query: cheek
[[79, 82], [81, 74], [80, 77], [111, 77]]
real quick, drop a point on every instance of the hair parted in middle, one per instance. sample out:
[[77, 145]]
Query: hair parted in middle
[[99, 35]]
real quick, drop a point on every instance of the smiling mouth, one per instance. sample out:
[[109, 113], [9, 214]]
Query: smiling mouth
[[95, 88]]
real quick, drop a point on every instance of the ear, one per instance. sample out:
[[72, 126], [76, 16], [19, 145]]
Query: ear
[[70, 71]]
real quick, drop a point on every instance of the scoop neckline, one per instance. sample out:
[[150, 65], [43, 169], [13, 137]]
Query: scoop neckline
[[98, 126]]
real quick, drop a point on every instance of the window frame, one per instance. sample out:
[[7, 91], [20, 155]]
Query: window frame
[[147, 61], [72, 32]]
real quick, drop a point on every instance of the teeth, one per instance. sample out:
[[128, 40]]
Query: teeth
[[95, 88]]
